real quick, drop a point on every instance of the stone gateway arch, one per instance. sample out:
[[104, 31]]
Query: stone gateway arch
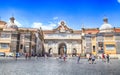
[[62, 40]]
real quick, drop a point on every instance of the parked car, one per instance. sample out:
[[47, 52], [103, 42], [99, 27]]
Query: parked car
[[10, 54], [2, 54]]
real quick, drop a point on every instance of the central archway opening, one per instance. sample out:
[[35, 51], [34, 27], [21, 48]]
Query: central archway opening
[[74, 52], [62, 49]]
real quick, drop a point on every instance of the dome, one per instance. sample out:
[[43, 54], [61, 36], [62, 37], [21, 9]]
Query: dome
[[105, 26], [12, 24]]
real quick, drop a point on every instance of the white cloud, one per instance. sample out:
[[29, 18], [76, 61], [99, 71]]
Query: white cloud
[[18, 24], [44, 27], [37, 25], [55, 18], [50, 26]]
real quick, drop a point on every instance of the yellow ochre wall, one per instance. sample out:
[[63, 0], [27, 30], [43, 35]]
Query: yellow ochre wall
[[108, 42]]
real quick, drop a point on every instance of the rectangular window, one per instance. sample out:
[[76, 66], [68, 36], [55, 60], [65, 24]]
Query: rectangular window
[[5, 35], [14, 36], [27, 37], [100, 44], [110, 47], [100, 47], [4, 45]]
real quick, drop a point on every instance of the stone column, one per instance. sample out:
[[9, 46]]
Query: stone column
[[46, 47], [79, 48], [69, 48], [55, 49]]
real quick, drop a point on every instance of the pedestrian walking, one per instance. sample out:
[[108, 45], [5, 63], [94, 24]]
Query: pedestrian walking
[[26, 56], [108, 58], [78, 59], [36, 56], [64, 57], [29, 55], [103, 57], [93, 59], [16, 56], [90, 58], [45, 55]]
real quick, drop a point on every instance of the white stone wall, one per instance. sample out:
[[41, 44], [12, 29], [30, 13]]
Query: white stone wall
[[70, 46], [62, 36], [68, 38]]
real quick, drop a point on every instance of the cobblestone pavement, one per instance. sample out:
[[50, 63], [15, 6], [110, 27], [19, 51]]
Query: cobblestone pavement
[[53, 66]]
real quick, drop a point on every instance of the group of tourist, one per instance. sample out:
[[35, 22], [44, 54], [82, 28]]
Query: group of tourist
[[105, 58], [91, 58]]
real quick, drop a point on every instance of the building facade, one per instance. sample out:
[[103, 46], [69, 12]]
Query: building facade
[[105, 39], [59, 41], [20, 40], [62, 40]]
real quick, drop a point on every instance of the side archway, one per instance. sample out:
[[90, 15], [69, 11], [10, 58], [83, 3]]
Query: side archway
[[50, 51]]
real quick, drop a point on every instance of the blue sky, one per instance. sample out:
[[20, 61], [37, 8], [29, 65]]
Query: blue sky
[[48, 13]]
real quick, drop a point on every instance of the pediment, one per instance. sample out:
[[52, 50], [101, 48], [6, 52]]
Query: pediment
[[62, 28]]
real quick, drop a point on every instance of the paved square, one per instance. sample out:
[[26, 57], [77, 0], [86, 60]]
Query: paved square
[[53, 66]]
